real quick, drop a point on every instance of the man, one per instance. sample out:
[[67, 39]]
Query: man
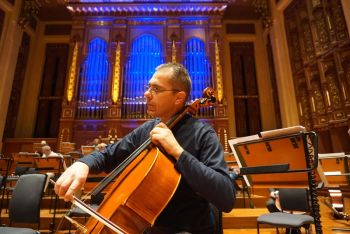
[[193, 144], [47, 152]]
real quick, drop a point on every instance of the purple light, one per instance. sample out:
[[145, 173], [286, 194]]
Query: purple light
[[156, 8]]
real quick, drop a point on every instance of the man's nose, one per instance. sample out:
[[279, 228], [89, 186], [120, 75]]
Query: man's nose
[[147, 95]]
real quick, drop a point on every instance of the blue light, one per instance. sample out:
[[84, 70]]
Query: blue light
[[145, 55], [198, 67], [95, 76]]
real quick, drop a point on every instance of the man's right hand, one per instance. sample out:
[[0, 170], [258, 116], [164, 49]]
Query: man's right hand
[[71, 180]]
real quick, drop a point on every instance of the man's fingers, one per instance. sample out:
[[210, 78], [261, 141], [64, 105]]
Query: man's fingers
[[72, 189], [63, 186], [71, 180]]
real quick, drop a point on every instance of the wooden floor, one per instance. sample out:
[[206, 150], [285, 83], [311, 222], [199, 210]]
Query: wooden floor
[[239, 220]]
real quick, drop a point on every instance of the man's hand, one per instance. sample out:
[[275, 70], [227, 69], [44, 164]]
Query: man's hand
[[71, 180], [162, 135]]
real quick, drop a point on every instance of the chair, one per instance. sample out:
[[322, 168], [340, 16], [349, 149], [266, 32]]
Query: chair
[[24, 205], [52, 166], [291, 200], [10, 181]]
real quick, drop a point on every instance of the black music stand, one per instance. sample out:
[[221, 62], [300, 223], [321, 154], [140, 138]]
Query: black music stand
[[53, 164], [290, 153]]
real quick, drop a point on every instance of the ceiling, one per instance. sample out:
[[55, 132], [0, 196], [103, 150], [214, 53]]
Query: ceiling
[[236, 10]]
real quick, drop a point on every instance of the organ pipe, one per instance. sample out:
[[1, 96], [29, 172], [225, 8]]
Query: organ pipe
[[145, 55], [199, 69], [93, 95]]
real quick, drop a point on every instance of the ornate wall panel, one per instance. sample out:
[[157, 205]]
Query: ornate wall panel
[[337, 21], [296, 54], [321, 38], [317, 35], [344, 74], [332, 90]]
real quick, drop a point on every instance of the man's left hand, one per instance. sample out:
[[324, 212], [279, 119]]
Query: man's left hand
[[163, 136]]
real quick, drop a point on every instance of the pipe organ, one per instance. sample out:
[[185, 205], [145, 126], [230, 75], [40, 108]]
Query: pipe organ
[[145, 54], [94, 82], [115, 48]]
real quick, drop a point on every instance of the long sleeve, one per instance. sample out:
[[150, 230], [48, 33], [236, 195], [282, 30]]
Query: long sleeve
[[116, 153], [208, 174]]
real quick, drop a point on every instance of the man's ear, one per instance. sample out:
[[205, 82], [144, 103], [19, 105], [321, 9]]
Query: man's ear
[[180, 97]]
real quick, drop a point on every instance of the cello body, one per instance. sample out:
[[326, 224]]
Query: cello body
[[138, 195]]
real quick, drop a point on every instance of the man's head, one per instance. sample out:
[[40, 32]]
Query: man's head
[[46, 150], [179, 77], [168, 90]]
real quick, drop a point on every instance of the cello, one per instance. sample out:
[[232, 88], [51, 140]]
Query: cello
[[146, 173]]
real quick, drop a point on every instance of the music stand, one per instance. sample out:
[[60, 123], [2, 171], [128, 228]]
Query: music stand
[[5, 164], [290, 154], [335, 169], [66, 147], [48, 164], [24, 159], [87, 149], [52, 164]]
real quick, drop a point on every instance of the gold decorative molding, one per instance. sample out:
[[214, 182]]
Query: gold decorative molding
[[64, 136], [218, 72], [72, 74], [116, 75], [262, 8], [173, 52]]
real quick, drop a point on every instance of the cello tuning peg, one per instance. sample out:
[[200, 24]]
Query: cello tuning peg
[[209, 93]]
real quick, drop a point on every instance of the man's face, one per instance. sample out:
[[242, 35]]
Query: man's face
[[46, 151], [161, 96]]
